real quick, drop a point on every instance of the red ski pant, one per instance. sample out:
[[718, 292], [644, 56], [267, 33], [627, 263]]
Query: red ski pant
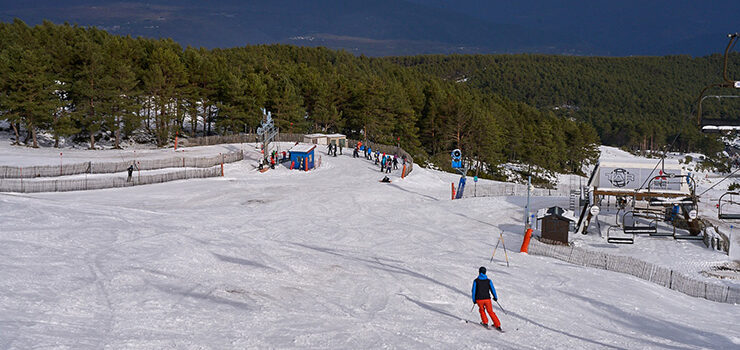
[[485, 305]]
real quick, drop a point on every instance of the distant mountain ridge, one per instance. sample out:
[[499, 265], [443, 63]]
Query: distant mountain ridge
[[410, 27]]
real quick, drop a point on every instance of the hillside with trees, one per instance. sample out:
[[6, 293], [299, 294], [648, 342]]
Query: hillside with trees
[[640, 103], [84, 84]]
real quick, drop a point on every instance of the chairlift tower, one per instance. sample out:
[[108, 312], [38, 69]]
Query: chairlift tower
[[267, 132]]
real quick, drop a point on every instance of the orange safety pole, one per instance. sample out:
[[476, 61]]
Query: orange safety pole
[[403, 172], [453, 191], [176, 141], [292, 164], [222, 164], [525, 243]]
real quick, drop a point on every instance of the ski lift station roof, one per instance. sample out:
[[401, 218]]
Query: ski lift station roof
[[671, 164]]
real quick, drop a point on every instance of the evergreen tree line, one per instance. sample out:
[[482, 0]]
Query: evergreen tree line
[[634, 102], [84, 84]]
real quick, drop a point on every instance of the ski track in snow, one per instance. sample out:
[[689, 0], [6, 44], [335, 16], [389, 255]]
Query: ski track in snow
[[329, 258]]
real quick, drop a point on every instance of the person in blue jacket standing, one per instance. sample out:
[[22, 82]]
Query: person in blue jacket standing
[[482, 290]]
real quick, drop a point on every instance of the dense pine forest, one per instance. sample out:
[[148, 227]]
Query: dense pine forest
[[83, 84], [634, 102]]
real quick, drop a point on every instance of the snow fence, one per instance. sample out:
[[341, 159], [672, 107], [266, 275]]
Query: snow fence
[[36, 178], [647, 271], [509, 189], [81, 184], [29, 172], [236, 138]]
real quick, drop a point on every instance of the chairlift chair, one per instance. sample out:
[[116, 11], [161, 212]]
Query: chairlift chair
[[612, 238], [690, 237], [636, 228], [667, 180], [727, 216], [720, 125]]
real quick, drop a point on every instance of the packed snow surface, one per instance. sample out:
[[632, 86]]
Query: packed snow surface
[[330, 258]]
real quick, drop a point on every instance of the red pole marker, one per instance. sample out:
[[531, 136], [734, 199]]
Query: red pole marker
[[525, 243], [453, 191]]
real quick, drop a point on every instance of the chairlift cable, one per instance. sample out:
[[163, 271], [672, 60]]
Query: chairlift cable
[[662, 159], [720, 181]]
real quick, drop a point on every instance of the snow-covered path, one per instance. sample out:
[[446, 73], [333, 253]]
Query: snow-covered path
[[331, 258]]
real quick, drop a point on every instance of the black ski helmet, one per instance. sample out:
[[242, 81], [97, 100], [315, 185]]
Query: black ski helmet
[[482, 270]]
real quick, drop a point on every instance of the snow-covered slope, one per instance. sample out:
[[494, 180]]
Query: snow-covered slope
[[330, 258]]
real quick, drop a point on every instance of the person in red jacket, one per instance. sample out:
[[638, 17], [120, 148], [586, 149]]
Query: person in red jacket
[[482, 290]]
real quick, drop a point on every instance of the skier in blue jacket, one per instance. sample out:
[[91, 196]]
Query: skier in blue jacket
[[482, 290]]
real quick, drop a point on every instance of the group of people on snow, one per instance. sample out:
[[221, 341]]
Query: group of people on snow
[[273, 159], [332, 149], [386, 161]]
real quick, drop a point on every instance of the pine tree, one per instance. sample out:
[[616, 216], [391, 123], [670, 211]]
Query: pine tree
[[63, 123], [30, 99], [92, 86], [122, 104], [431, 121], [286, 105], [163, 80], [201, 86]]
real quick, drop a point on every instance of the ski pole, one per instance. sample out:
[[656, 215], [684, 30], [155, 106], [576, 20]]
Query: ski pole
[[471, 309], [501, 236], [494, 249], [502, 308]]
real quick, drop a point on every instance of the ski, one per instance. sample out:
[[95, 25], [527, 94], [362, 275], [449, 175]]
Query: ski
[[486, 327], [479, 324]]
